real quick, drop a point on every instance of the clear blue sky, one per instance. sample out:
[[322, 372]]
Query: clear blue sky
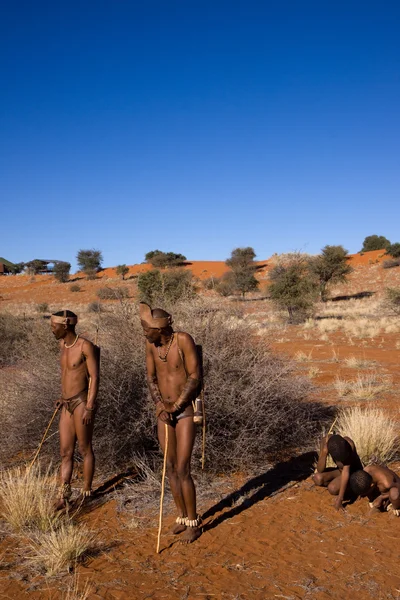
[[197, 126]]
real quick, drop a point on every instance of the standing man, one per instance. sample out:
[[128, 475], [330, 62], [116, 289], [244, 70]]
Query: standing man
[[79, 386], [173, 377]]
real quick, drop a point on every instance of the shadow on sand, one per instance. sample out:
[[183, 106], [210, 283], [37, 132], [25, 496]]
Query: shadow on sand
[[281, 476]]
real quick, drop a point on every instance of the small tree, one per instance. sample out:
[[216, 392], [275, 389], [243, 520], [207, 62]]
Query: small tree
[[375, 242], [226, 284], [243, 268], [89, 261], [122, 270], [160, 259], [393, 250], [61, 271], [34, 267], [330, 267], [293, 288]]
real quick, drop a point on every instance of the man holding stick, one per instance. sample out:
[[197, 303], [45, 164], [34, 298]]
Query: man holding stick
[[173, 377], [79, 385]]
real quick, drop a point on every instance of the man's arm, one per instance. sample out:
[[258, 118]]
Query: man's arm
[[92, 364], [192, 365], [344, 480], [152, 375], [323, 455]]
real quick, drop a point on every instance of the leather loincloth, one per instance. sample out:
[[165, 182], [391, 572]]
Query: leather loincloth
[[70, 404]]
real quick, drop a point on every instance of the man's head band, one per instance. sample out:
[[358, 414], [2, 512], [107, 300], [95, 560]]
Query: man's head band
[[64, 320], [146, 315]]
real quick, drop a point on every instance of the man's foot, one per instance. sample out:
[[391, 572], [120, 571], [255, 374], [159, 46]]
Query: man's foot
[[193, 530], [180, 526], [191, 535], [65, 495]]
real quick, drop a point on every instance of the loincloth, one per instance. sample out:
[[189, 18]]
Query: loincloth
[[188, 412], [70, 404]]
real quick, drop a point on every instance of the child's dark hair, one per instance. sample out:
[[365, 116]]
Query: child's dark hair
[[340, 449], [360, 482]]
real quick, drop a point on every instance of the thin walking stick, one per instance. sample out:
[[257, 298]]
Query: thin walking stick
[[162, 488], [43, 438], [203, 445], [332, 426]]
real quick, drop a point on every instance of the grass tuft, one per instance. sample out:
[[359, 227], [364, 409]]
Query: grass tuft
[[374, 433], [27, 498]]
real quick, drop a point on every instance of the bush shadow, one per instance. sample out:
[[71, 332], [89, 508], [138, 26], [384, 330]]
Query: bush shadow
[[357, 296], [266, 485]]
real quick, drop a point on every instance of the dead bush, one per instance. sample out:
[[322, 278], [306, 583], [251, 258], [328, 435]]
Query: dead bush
[[13, 335], [112, 293]]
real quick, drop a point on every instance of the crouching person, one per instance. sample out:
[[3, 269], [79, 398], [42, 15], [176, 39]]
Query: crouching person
[[380, 485], [344, 454]]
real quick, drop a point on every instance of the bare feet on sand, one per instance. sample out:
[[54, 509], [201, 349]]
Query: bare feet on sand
[[191, 535]]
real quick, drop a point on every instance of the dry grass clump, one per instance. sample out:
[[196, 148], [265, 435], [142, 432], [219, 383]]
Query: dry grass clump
[[61, 548], [76, 592], [13, 334], [364, 387], [374, 433], [301, 356], [356, 362], [27, 498]]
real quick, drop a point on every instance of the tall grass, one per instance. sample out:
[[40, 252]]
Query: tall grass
[[374, 433], [61, 548], [27, 499]]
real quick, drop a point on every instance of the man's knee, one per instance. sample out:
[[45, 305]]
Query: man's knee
[[333, 488], [318, 479], [171, 468], [183, 470], [85, 449], [66, 453], [394, 495]]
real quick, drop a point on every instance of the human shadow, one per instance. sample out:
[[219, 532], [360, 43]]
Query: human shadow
[[281, 476]]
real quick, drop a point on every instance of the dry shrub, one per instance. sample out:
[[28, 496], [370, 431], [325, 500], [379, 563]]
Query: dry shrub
[[27, 498], [355, 362], [61, 548], [256, 406], [374, 433], [112, 293], [13, 334], [364, 387]]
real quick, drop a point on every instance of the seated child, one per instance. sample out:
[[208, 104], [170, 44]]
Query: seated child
[[380, 484], [344, 454]]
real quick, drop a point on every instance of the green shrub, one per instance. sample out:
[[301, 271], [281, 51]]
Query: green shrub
[[61, 271], [160, 259], [169, 286], [375, 242], [293, 288], [122, 270], [330, 267], [243, 268], [75, 287]]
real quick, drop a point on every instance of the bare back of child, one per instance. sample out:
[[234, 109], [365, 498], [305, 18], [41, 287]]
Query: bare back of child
[[380, 485]]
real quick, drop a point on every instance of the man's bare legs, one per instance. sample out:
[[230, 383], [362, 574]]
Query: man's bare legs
[[72, 429], [180, 446], [84, 435]]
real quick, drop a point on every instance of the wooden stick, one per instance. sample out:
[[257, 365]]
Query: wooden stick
[[203, 447], [162, 488], [43, 438], [332, 426]]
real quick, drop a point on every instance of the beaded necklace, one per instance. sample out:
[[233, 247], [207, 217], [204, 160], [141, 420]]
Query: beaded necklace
[[73, 343], [164, 358]]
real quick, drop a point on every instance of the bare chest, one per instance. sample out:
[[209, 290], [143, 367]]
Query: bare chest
[[169, 365], [72, 359]]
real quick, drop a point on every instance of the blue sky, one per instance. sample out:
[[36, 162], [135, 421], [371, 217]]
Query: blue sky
[[197, 127]]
